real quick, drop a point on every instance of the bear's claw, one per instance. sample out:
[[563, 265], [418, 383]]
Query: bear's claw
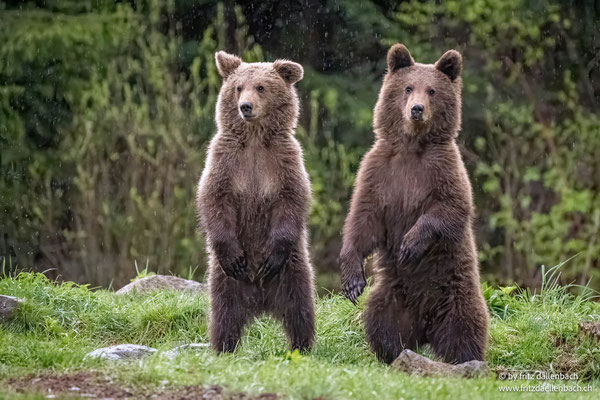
[[235, 269], [354, 288], [273, 265], [409, 254]]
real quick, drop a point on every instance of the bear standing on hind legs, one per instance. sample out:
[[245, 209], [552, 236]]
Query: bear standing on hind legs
[[253, 202], [412, 205]]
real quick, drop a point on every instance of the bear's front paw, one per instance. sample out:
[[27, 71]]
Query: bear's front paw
[[235, 268], [353, 286], [273, 264], [352, 274], [410, 253]]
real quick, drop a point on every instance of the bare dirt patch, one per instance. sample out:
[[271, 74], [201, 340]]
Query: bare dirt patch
[[93, 385]]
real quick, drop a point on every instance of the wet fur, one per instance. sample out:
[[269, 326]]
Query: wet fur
[[253, 202], [412, 206]]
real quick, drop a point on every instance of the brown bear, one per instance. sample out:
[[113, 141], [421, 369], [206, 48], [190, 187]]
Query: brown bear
[[412, 206], [253, 201]]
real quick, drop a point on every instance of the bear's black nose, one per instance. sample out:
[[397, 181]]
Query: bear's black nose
[[246, 108], [417, 111]]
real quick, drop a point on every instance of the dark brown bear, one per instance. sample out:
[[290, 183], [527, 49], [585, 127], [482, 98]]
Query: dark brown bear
[[253, 202], [412, 206]]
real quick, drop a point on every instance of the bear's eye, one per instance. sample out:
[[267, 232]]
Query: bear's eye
[[239, 88], [260, 88], [408, 89], [431, 92]]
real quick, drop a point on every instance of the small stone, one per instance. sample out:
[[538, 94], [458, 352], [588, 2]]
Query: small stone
[[8, 306], [413, 363], [161, 282], [174, 352], [590, 328], [121, 352]]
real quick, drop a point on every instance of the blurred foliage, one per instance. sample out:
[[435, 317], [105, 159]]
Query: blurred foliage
[[106, 109], [114, 182]]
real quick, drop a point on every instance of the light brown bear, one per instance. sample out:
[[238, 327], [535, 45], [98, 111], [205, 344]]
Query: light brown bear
[[412, 206], [253, 202]]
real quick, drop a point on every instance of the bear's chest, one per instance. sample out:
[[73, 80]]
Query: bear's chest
[[407, 184], [256, 172]]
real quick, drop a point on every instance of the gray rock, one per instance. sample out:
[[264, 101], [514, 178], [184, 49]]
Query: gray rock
[[413, 363], [8, 306], [121, 352], [160, 282], [590, 328], [174, 352]]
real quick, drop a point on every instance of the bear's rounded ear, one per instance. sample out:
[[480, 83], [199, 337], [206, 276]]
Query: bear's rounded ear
[[450, 64], [290, 71], [398, 57], [226, 63]]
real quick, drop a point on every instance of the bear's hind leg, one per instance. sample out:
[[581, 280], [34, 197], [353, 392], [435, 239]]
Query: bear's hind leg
[[229, 314], [460, 335], [390, 327], [293, 304]]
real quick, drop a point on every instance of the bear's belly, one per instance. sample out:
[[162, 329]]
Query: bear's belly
[[254, 230], [440, 264], [256, 185]]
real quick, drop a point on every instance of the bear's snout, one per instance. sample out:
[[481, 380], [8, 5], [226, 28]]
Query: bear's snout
[[416, 112], [246, 109]]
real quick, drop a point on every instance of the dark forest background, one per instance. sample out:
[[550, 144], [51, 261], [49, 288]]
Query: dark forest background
[[106, 109]]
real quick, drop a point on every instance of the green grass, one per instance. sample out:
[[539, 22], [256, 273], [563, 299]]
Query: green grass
[[59, 323]]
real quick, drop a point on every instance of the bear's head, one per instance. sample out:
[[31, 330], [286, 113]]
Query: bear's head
[[257, 95], [419, 100]]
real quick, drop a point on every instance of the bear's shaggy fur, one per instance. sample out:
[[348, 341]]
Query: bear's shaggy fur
[[412, 205], [253, 202]]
